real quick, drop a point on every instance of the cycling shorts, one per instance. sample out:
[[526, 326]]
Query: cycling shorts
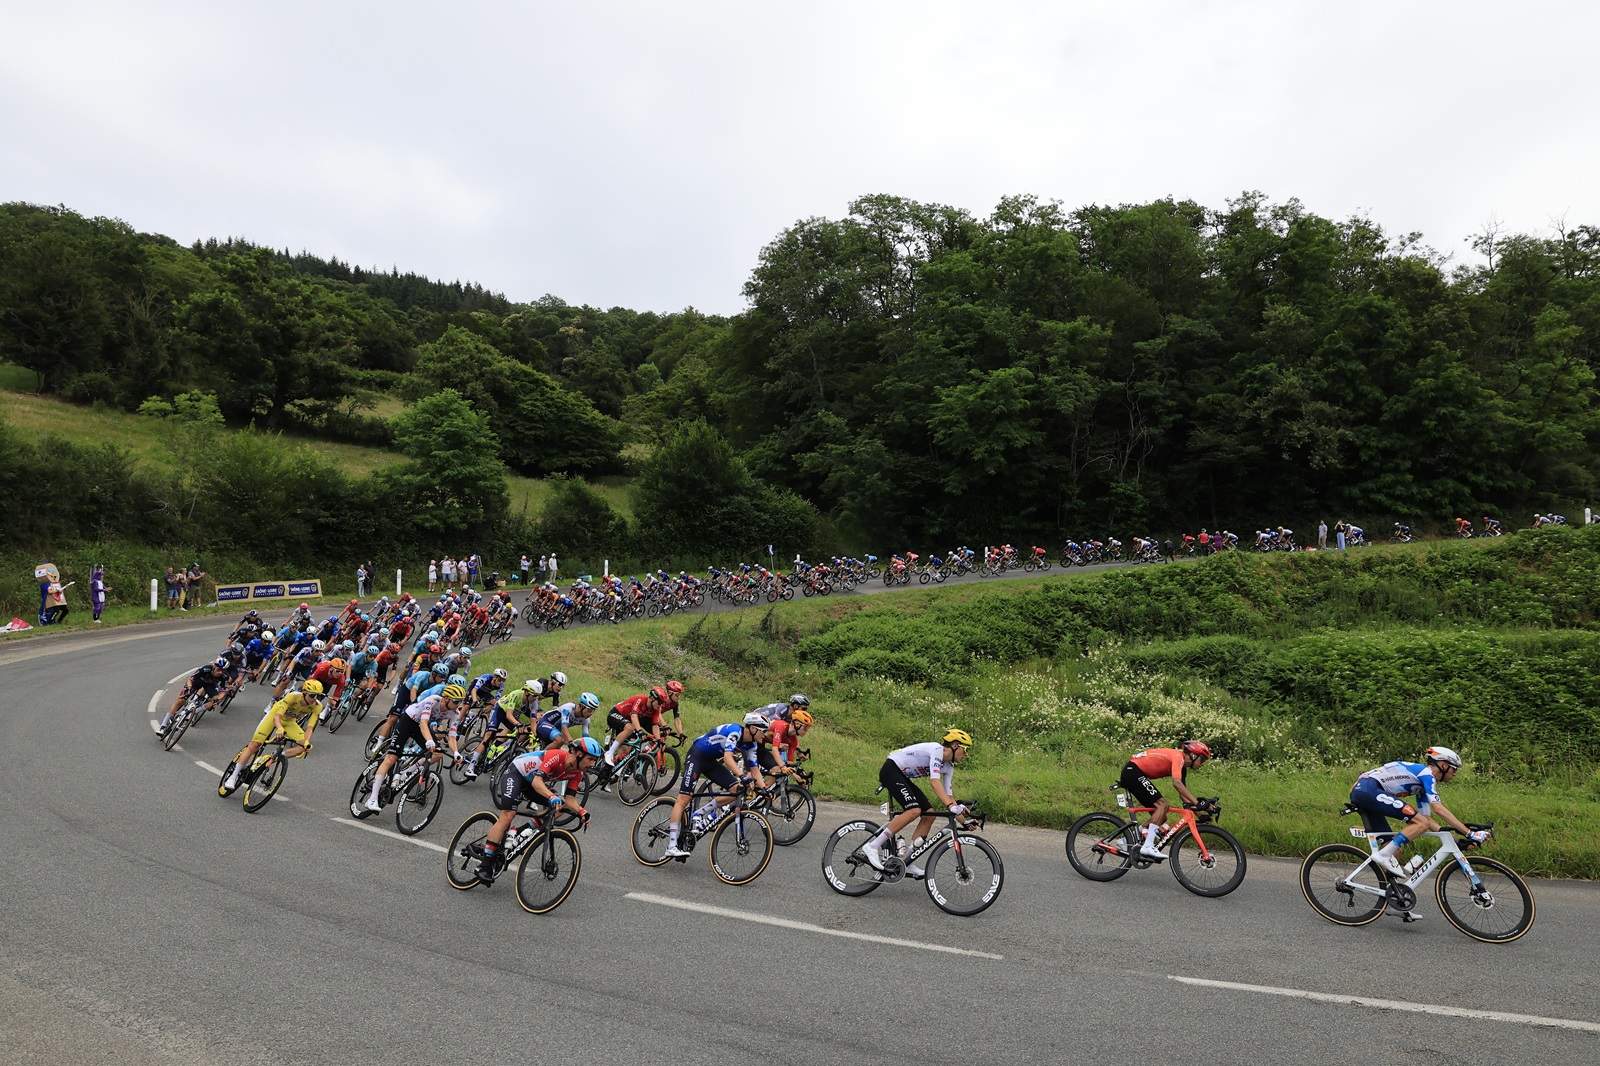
[[709, 765], [1141, 793], [405, 729], [291, 729], [499, 720], [511, 788], [901, 791], [302, 670], [547, 733], [1377, 806]]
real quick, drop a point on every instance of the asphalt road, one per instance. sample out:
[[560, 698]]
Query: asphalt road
[[150, 921]]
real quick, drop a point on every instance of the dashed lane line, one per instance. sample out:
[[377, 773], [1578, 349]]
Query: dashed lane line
[[804, 927], [430, 845], [1394, 1004]]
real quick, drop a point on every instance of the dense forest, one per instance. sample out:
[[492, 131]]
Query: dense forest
[[908, 374]]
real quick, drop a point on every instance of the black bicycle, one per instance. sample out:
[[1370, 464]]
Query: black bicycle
[[741, 838], [549, 857], [964, 874]]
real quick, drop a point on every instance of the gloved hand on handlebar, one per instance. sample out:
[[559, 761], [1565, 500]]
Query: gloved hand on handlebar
[[1478, 836]]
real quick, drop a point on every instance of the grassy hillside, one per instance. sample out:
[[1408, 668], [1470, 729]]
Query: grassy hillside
[[1320, 668]]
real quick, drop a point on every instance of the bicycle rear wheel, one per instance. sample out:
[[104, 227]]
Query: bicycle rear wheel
[[967, 882], [361, 790], [263, 783], [547, 872], [1100, 846], [792, 813], [843, 866], [418, 803], [741, 847], [375, 743], [650, 832], [1325, 878], [1498, 910], [466, 850], [1220, 872], [339, 713], [669, 767], [637, 781]]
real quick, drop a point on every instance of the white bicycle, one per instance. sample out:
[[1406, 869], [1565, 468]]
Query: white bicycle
[[1485, 899]]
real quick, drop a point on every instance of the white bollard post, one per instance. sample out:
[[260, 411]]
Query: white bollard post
[[1588, 516], [153, 586], [397, 588], [606, 570]]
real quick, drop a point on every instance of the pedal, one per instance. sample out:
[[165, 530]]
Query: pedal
[[1409, 916], [680, 858]]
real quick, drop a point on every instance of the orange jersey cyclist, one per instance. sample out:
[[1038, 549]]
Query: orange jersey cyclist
[[1155, 763]]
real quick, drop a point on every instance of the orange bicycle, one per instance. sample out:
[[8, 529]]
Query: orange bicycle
[[1205, 858]]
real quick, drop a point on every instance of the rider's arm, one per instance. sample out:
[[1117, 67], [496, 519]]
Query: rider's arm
[[1442, 813], [1177, 782]]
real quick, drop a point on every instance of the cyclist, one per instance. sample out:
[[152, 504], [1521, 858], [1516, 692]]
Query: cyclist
[[789, 723], [295, 716], [536, 776], [209, 679], [1156, 763], [1491, 525], [937, 762], [252, 619], [305, 660], [416, 723], [257, 653], [504, 718], [636, 714], [485, 688], [555, 725], [331, 675], [713, 755], [1380, 794]]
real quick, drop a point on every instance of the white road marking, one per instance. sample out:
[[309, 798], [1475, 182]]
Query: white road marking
[[155, 724], [804, 927], [154, 696], [208, 767], [1394, 1004], [430, 845], [176, 679]]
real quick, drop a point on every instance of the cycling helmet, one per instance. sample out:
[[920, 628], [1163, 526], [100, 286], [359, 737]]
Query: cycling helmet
[[659, 693], [267, 634], [441, 669], [433, 635], [454, 692], [589, 746], [533, 686], [1444, 755], [559, 678], [355, 603], [349, 645], [500, 672], [312, 687], [236, 648], [220, 663], [801, 718], [466, 653], [371, 649], [757, 720], [433, 649], [958, 736], [252, 612], [456, 679], [365, 617], [305, 607], [1197, 747], [799, 699], [336, 664], [588, 701], [317, 645], [675, 687]]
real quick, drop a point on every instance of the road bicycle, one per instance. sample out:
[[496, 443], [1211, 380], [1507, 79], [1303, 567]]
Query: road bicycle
[[964, 873], [1485, 899], [786, 803], [549, 858], [1205, 858], [741, 838], [263, 777], [355, 701], [413, 782], [192, 710]]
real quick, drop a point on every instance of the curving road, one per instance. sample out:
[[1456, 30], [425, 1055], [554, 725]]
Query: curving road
[[149, 921]]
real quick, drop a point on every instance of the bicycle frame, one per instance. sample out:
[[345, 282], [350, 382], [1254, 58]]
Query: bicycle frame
[[1186, 820], [1448, 849]]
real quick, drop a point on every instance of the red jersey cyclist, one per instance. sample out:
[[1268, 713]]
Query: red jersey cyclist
[[1157, 763]]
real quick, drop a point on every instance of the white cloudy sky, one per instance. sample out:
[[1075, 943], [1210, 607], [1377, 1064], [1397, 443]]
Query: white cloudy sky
[[640, 154]]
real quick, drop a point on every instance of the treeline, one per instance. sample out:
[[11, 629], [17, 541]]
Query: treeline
[[913, 373]]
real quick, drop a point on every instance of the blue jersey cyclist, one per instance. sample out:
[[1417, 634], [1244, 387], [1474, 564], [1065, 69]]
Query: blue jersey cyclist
[[485, 688], [713, 755], [1384, 792], [555, 725]]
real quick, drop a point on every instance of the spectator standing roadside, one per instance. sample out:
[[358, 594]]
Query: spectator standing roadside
[[196, 585], [97, 591], [1322, 534], [1167, 546], [544, 567], [447, 571], [55, 609], [552, 566], [172, 590], [1338, 533], [525, 565], [433, 574], [183, 590], [472, 569], [1205, 543], [361, 580]]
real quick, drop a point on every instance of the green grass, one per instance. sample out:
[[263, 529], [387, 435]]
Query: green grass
[[15, 378], [1280, 805], [531, 493]]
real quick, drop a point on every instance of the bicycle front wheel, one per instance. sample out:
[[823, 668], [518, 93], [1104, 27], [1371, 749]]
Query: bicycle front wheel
[[547, 872], [361, 790], [1328, 879], [264, 783], [967, 880], [636, 781], [650, 832], [669, 767], [741, 847], [466, 850], [1496, 910], [375, 742], [1100, 846], [339, 713], [418, 803], [792, 813], [180, 722], [846, 870], [1218, 872]]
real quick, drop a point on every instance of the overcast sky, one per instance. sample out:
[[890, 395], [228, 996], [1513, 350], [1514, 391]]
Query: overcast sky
[[640, 154]]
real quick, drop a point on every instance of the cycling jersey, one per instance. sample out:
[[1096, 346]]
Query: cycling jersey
[[775, 712], [1402, 779], [925, 760], [331, 684], [431, 710], [553, 721], [514, 703], [638, 705], [361, 666], [257, 650], [558, 768], [785, 740], [723, 740], [483, 688], [1160, 762], [291, 713], [205, 681]]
